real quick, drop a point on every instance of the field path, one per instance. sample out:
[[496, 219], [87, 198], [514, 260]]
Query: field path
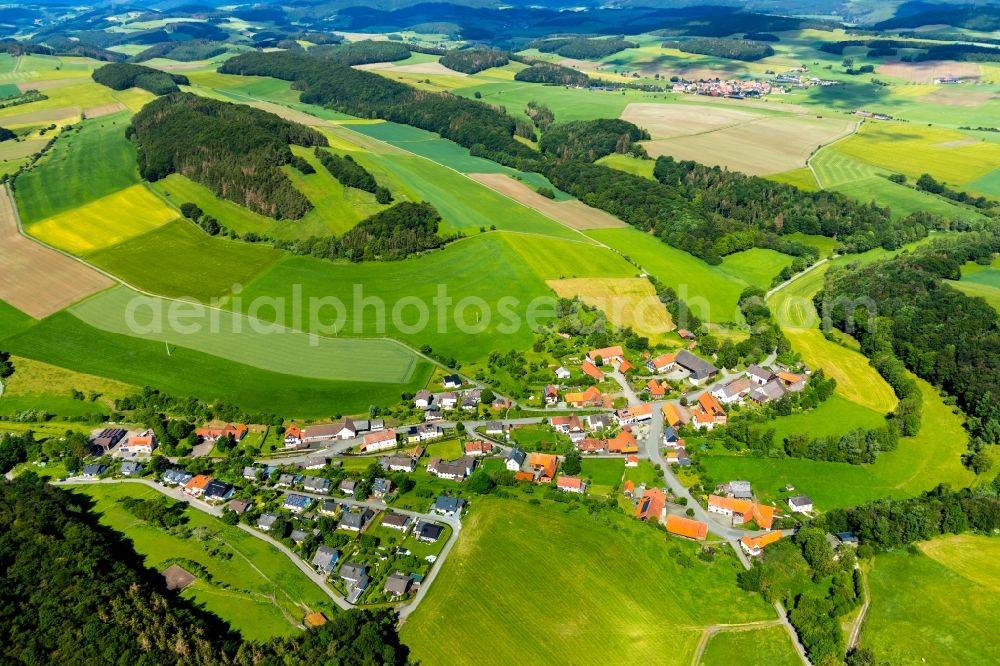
[[713, 629], [36, 278], [795, 277], [852, 640]]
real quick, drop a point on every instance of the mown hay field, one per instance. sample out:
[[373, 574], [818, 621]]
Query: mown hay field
[[628, 302]]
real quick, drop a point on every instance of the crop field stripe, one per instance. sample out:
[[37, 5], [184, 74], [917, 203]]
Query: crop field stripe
[[249, 341]]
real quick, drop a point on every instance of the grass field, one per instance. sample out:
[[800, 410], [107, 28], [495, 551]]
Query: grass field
[[429, 145], [756, 266], [336, 208], [180, 260], [104, 222], [68, 342], [258, 591], [470, 268], [918, 464], [626, 301], [552, 258], [938, 606], [630, 165], [833, 418], [543, 598], [987, 292], [244, 339], [771, 646], [89, 164], [48, 387], [12, 320], [602, 474], [801, 178]]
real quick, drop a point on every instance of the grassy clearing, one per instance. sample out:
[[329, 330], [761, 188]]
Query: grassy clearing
[[628, 164], [68, 342], [833, 418], [258, 591], [901, 199], [617, 616], [180, 260], [771, 646], [801, 178], [555, 258], [89, 164], [245, 340], [937, 606], [756, 266], [429, 145], [469, 268], [37, 380], [987, 292], [105, 222], [711, 293], [626, 301], [825, 245], [918, 464], [602, 474]]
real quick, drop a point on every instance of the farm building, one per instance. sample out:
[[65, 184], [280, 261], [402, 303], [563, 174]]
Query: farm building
[[687, 528]]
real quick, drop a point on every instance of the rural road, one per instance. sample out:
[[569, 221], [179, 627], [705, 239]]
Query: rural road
[[859, 622], [795, 277]]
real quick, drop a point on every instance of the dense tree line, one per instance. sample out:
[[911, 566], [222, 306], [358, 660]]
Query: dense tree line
[[540, 115], [352, 174], [75, 591], [903, 308], [123, 75], [892, 523], [6, 134], [928, 50], [233, 149], [474, 60], [486, 131], [188, 51], [928, 183], [590, 140], [582, 48], [733, 49], [361, 53], [552, 74]]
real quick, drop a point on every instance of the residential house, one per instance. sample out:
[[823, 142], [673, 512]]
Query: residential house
[[397, 585], [800, 504], [515, 459], [355, 577], [131, 468], [651, 505], [625, 366], [355, 521], [93, 470], [298, 536], [634, 414], [683, 459], [296, 503], [324, 432], [381, 487], [423, 432], [293, 436], [566, 424], [267, 521], [591, 445], [376, 424], [544, 466], [140, 443], [325, 560], [196, 486], [496, 428], [769, 392], [314, 462], [675, 415], [742, 511], [629, 489], [317, 484], [328, 508], [606, 356], [624, 442], [591, 370], [699, 369], [734, 391], [569, 484], [471, 399], [428, 532], [708, 413], [551, 395], [758, 375], [478, 448], [591, 397], [218, 491], [687, 528], [599, 421], [396, 521], [632, 461], [239, 506], [433, 415], [250, 473], [362, 425], [177, 477], [452, 382], [400, 463], [285, 481], [455, 470], [379, 441], [214, 431], [656, 389], [670, 438], [448, 506], [754, 546], [423, 399], [447, 400], [562, 373], [662, 363], [500, 403]]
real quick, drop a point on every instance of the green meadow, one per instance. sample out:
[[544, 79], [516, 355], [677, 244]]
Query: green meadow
[[771, 646], [556, 258], [543, 598], [258, 590], [936, 605], [628, 164], [12, 320], [756, 266], [87, 164], [180, 260], [68, 342]]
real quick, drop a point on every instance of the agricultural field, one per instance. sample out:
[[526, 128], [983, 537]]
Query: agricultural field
[[833, 418], [257, 590], [212, 265], [556, 258], [246, 339], [572, 212], [935, 605], [37, 385], [756, 266], [12, 320], [918, 464], [628, 302], [68, 342], [617, 616], [770, 645], [89, 163], [104, 222]]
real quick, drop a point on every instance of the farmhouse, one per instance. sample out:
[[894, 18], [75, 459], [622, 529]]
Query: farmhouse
[[590, 445], [325, 560], [675, 415], [625, 366], [607, 355], [687, 528], [634, 414], [455, 470], [296, 503], [734, 391], [379, 441], [293, 436], [623, 442], [139, 443], [589, 398], [742, 511], [662, 363], [651, 505], [515, 459], [448, 506], [591, 370], [566, 424], [400, 463], [544, 466], [105, 440], [397, 585], [328, 431], [699, 369], [355, 521], [800, 504], [792, 382], [214, 431], [754, 546], [569, 484], [708, 413], [396, 521], [478, 448], [758, 375], [656, 389], [196, 486], [773, 390], [551, 395]]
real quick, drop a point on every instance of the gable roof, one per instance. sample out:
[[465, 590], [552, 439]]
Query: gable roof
[[198, 482], [606, 353], [651, 504], [569, 482], [663, 360], [685, 527], [761, 513], [699, 368], [762, 541], [623, 442], [379, 437], [711, 406], [590, 369]]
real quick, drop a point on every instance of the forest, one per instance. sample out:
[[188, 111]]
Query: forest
[[123, 75], [486, 131], [352, 174], [581, 48], [75, 591], [233, 149], [361, 53], [187, 51], [733, 49], [942, 335], [474, 60], [590, 140], [551, 74]]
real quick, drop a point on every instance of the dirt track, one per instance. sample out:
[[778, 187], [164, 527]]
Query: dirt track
[[35, 279], [573, 214]]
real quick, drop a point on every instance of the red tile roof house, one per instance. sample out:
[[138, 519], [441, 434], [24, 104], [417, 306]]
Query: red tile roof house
[[651, 505], [590, 445], [662, 363], [379, 441], [566, 424], [478, 448], [293, 436], [212, 432], [196, 486], [591, 370], [607, 355], [632, 461], [551, 395], [142, 443], [569, 484]]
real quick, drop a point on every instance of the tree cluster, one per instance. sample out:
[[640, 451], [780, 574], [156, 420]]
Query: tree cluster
[[187, 51], [123, 75], [928, 183], [352, 174], [733, 49], [361, 53], [582, 48], [233, 149], [552, 74], [471, 61], [590, 140]]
